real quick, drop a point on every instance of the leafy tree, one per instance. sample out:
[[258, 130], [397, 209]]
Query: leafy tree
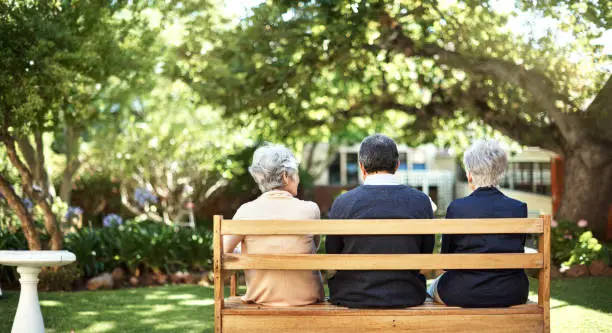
[[302, 68], [170, 157], [57, 58]]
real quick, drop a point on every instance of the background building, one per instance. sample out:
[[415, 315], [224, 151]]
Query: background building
[[437, 172]]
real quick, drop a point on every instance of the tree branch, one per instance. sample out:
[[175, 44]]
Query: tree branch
[[537, 84], [27, 224]]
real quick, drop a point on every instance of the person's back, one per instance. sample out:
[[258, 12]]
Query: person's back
[[280, 287], [485, 163], [484, 288], [275, 171], [381, 197]]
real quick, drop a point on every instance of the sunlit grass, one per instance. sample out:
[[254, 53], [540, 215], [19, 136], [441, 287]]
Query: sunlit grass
[[580, 305], [163, 309]]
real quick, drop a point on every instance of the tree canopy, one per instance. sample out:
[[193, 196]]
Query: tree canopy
[[306, 68]]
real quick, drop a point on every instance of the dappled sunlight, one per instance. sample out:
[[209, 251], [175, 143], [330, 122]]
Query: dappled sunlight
[[88, 313], [176, 325], [149, 321], [201, 302], [100, 327], [50, 303], [162, 308], [181, 296]]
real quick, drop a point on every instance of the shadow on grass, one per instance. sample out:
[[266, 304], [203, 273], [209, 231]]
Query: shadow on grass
[[162, 309], [589, 292]]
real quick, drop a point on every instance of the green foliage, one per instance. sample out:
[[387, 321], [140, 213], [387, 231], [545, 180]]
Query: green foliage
[[314, 68], [60, 279], [145, 245], [12, 239], [572, 243], [586, 250]]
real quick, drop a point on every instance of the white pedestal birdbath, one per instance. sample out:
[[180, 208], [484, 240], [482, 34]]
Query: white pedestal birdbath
[[29, 263]]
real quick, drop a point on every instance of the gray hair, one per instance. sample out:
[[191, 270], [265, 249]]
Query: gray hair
[[270, 163], [486, 161]]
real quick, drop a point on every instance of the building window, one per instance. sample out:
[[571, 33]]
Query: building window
[[531, 177], [403, 163], [352, 169], [419, 166], [334, 171]]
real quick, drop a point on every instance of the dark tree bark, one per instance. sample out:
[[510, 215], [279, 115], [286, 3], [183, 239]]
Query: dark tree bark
[[587, 186], [57, 238], [14, 201]]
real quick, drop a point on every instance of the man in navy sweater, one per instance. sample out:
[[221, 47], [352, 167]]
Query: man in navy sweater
[[380, 197]]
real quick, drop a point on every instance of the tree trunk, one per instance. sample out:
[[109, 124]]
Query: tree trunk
[[41, 170], [57, 237], [72, 163], [587, 186], [27, 224]]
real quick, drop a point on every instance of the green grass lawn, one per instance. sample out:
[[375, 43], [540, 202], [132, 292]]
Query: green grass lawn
[[581, 305]]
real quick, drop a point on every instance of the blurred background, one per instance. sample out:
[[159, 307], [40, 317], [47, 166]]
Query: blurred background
[[126, 124]]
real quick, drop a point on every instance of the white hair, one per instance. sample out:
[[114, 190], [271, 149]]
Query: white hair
[[486, 162], [270, 163]]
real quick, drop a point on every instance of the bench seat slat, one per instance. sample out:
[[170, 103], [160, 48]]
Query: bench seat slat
[[381, 261], [464, 323], [383, 227], [235, 306]]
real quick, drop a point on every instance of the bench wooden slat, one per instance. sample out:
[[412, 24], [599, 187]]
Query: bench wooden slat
[[468, 323], [235, 306], [232, 316], [381, 261], [382, 227]]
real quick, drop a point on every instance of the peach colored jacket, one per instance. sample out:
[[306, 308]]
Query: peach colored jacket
[[278, 287]]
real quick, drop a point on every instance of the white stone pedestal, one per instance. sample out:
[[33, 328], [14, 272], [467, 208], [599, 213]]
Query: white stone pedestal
[[29, 263]]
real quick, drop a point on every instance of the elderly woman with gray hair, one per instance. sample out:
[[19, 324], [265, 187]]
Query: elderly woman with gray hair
[[275, 170], [485, 162]]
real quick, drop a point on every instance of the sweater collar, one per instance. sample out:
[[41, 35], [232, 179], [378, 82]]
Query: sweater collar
[[276, 194]]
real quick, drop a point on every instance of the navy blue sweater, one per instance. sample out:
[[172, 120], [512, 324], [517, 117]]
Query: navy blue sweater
[[372, 289], [484, 288]]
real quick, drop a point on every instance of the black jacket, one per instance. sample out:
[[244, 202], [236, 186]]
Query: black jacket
[[371, 289], [484, 288]]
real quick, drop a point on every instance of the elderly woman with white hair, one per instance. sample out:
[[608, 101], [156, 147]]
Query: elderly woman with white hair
[[485, 162], [275, 170]]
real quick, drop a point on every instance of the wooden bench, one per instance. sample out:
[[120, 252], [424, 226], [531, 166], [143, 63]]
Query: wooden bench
[[231, 315]]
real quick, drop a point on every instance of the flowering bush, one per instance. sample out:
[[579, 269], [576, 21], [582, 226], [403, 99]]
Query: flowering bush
[[572, 243], [144, 197], [112, 220], [72, 212]]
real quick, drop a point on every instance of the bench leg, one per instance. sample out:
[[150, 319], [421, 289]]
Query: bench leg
[[28, 317]]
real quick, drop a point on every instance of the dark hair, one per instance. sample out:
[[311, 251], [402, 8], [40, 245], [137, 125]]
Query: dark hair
[[378, 153]]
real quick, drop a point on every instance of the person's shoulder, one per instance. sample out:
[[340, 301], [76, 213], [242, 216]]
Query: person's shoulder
[[244, 209], [414, 192], [461, 201], [350, 194], [346, 199], [309, 208], [514, 203]]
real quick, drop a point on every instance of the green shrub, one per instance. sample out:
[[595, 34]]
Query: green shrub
[[87, 247], [572, 243], [147, 245], [60, 279], [586, 250]]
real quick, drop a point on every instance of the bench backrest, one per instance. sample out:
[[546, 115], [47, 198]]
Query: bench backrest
[[540, 260]]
